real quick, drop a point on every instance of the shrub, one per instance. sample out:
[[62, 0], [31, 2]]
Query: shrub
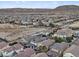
[[51, 25], [59, 39], [43, 49], [50, 35], [1, 55], [67, 39]]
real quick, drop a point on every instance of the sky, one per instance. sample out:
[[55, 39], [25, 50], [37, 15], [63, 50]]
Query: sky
[[35, 4]]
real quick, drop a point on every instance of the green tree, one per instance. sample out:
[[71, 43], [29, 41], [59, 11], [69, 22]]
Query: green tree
[[69, 39]]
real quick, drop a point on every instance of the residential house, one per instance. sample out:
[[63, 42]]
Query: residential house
[[45, 22], [38, 38], [46, 43], [9, 49], [40, 55], [25, 53], [51, 53], [57, 49], [7, 52], [76, 34], [76, 42], [34, 40], [35, 24], [3, 44], [47, 32], [24, 40], [31, 41], [64, 33], [14, 48], [10, 54], [30, 45], [26, 23], [72, 51], [17, 46]]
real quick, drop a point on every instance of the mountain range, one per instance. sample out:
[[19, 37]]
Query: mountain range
[[65, 9]]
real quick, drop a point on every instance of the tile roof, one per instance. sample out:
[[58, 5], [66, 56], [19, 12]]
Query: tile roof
[[67, 32], [74, 50], [3, 44], [40, 55], [37, 39], [25, 53], [18, 46], [9, 49], [47, 42], [13, 48], [52, 53], [76, 42], [59, 47]]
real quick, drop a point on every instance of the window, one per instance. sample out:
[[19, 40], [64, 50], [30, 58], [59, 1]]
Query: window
[[43, 35], [28, 46], [32, 47], [33, 39]]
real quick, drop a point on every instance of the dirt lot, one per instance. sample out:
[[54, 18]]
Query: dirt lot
[[12, 32], [75, 25]]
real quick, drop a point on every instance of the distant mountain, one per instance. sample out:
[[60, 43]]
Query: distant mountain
[[67, 9], [25, 10]]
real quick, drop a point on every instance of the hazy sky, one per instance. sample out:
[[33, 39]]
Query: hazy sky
[[35, 4]]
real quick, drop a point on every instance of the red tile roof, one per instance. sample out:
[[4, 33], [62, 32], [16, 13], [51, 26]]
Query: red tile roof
[[47, 43], [74, 50], [26, 53], [40, 55], [9, 49], [67, 32], [18, 46], [13, 48], [3, 44]]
